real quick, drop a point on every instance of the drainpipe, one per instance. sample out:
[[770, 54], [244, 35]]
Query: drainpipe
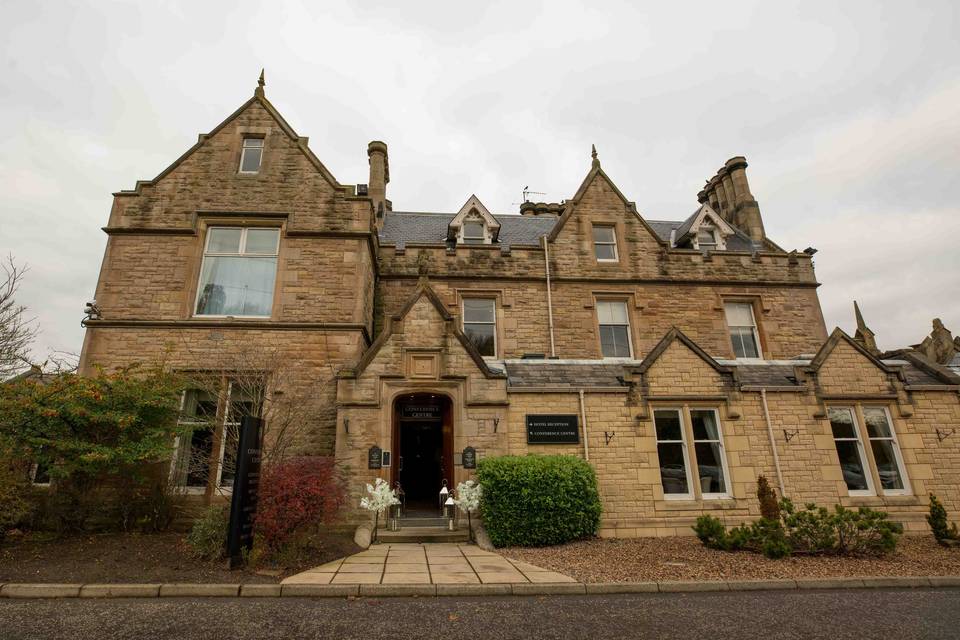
[[773, 442], [583, 419], [546, 264]]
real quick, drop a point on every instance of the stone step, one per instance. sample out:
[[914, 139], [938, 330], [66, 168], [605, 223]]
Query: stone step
[[423, 534]]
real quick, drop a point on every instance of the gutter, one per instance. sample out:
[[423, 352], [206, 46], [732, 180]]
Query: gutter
[[546, 264], [773, 442], [583, 419]]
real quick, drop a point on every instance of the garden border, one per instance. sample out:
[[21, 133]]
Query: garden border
[[200, 590]]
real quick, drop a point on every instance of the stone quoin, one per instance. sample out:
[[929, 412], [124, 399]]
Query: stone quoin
[[689, 356]]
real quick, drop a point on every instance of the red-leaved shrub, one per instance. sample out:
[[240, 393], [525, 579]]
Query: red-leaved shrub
[[296, 493]]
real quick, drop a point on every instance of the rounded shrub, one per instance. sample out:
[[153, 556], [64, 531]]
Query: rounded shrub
[[538, 500]]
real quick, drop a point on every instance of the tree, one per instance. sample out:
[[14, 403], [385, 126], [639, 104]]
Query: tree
[[84, 427], [16, 330]]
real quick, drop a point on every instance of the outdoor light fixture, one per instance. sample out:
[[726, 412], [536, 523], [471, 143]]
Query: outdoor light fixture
[[450, 513], [395, 517], [444, 494]]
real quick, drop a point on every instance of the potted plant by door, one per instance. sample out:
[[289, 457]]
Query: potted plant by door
[[379, 498], [468, 499]]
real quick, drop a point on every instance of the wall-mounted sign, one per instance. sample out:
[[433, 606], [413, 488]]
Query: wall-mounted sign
[[420, 412], [469, 458], [553, 429], [374, 457], [385, 459]]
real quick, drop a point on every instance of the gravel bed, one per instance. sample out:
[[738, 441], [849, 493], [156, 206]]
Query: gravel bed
[[685, 558]]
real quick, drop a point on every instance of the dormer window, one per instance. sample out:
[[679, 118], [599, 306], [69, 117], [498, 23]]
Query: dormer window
[[707, 238], [605, 244], [251, 155], [474, 232]]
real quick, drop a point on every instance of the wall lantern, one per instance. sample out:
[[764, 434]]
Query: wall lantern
[[395, 517]]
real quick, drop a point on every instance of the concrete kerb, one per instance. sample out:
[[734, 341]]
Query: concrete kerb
[[31, 590]]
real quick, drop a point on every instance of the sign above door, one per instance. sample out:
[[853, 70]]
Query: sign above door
[[420, 411]]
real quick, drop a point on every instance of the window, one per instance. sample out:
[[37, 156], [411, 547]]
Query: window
[[707, 238], [854, 460], [197, 452], [711, 478], [886, 451], [850, 451], [605, 244], [251, 155], [743, 329], [194, 450], [40, 474], [614, 328], [480, 324], [474, 232], [238, 272]]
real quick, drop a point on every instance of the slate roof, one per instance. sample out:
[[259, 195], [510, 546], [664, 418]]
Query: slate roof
[[767, 375], [402, 227], [560, 374], [409, 227]]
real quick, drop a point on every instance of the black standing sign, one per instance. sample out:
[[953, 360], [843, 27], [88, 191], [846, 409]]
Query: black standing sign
[[553, 429], [246, 482], [374, 457], [469, 458]]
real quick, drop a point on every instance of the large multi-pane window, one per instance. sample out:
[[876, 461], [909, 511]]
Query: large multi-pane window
[[614, 326], [213, 417], [605, 243], [474, 232], [238, 272], [854, 457], [251, 155], [743, 329], [687, 472], [480, 324]]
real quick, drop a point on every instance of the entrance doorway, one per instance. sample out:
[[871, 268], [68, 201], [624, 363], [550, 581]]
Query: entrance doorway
[[423, 440]]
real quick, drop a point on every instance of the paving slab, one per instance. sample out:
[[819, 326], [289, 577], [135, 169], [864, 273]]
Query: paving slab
[[495, 577], [360, 568], [405, 578], [356, 578], [327, 568], [455, 578], [406, 567], [309, 577], [364, 560], [546, 577]]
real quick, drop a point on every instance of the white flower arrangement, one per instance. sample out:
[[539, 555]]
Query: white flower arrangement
[[468, 499], [380, 497]]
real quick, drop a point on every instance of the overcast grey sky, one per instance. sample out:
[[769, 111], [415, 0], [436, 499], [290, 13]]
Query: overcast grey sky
[[846, 111]]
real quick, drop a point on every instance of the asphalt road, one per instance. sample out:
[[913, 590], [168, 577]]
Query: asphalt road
[[772, 615]]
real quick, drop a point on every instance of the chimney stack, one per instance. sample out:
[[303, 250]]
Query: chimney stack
[[379, 177], [729, 193]]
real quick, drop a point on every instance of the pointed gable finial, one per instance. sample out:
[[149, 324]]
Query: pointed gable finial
[[260, 84], [593, 154], [864, 335]]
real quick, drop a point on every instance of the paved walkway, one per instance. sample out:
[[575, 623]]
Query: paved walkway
[[426, 564]]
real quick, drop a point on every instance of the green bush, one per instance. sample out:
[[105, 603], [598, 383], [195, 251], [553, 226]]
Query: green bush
[[15, 508], [944, 531], [208, 537], [812, 530], [538, 500]]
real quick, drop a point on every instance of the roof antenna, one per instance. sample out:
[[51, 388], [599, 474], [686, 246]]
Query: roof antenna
[[526, 195]]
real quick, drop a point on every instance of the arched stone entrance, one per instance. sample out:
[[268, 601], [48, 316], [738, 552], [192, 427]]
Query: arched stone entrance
[[423, 446]]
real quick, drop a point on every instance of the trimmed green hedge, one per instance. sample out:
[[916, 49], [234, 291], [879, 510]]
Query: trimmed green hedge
[[536, 501]]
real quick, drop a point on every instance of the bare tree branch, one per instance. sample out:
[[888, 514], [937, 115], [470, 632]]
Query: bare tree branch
[[17, 331]]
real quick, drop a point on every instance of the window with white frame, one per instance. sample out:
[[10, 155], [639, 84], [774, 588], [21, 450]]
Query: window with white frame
[[743, 329], [480, 324], [672, 453], [474, 232], [688, 472], [850, 451], [707, 238], [855, 459], [614, 327], [605, 243], [238, 272], [251, 155]]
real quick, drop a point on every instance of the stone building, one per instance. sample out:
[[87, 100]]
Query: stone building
[[681, 358]]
